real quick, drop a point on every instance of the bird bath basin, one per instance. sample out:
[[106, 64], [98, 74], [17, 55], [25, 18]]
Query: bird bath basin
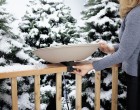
[[65, 53]]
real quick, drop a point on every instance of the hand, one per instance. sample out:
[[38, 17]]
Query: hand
[[105, 47], [82, 68]]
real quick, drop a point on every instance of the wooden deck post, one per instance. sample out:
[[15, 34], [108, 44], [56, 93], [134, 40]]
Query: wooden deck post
[[97, 89], [14, 94], [78, 92], [37, 92], [114, 88], [58, 91]]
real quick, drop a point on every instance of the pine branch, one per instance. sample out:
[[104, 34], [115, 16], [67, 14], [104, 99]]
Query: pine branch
[[2, 2]]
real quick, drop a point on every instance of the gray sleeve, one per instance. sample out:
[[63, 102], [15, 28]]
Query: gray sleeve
[[128, 43], [116, 47]]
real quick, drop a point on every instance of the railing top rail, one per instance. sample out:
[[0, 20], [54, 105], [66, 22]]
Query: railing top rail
[[51, 68]]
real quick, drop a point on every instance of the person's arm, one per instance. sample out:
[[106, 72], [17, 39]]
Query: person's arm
[[116, 47], [129, 42]]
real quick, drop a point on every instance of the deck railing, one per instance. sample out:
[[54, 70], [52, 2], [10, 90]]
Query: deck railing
[[58, 69]]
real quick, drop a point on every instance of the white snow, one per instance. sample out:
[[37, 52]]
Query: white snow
[[16, 43], [55, 44], [85, 108], [90, 101], [48, 88], [25, 56], [123, 95], [54, 1], [108, 79], [24, 102], [2, 60], [6, 98], [43, 23], [106, 95], [22, 55], [54, 16], [59, 6], [5, 46], [73, 94], [46, 7], [44, 36], [43, 106], [19, 67], [97, 19], [33, 32]]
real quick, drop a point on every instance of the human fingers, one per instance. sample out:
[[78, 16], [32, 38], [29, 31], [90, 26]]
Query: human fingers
[[77, 68], [102, 42], [103, 46], [76, 71]]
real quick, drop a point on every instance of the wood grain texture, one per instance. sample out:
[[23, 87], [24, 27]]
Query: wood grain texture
[[58, 91], [114, 88], [14, 94], [97, 89], [50, 69], [78, 92], [37, 92]]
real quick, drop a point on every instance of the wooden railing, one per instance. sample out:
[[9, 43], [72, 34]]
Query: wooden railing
[[58, 69]]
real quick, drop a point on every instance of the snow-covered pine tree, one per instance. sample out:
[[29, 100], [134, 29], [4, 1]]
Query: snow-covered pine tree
[[102, 21], [46, 22], [12, 47], [12, 50]]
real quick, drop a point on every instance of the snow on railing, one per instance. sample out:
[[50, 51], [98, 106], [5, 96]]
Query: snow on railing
[[58, 69]]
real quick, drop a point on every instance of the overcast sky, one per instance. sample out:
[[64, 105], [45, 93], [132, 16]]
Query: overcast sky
[[76, 7], [17, 7]]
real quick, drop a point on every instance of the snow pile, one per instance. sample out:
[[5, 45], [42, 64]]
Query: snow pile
[[19, 67]]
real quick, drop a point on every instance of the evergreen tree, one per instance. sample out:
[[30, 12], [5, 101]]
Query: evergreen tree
[[46, 22], [102, 21], [12, 50], [3, 21]]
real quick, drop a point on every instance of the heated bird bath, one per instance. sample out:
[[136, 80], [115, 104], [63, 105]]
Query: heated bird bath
[[67, 54]]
